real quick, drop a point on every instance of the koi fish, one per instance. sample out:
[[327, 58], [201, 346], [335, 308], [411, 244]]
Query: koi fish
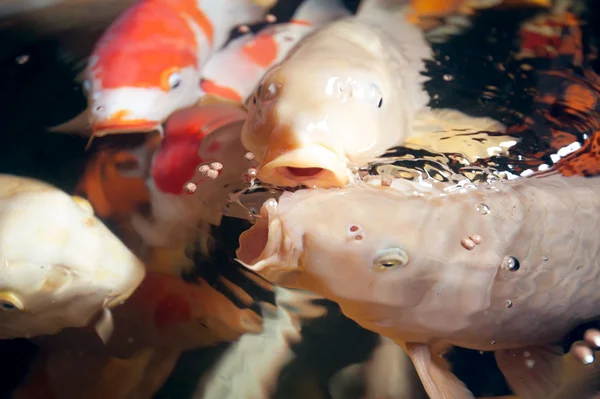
[[163, 318], [234, 71], [209, 135], [61, 265], [148, 63], [509, 268], [346, 94]]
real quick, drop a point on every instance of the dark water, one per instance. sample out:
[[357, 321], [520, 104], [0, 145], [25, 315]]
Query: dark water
[[41, 92]]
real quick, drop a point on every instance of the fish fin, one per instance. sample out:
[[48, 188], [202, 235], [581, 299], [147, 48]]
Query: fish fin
[[547, 373], [79, 125], [451, 131], [532, 372], [105, 326], [320, 12], [435, 374]]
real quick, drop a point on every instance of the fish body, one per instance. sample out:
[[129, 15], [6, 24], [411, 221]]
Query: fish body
[[60, 265], [148, 63], [234, 71], [508, 268]]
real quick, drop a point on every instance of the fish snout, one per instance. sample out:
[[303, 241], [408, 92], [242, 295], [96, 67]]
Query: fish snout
[[310, 165]]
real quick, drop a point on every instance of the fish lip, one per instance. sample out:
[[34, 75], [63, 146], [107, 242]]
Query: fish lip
[[120, 298], [123, 127], [277, 252], [334, 173]]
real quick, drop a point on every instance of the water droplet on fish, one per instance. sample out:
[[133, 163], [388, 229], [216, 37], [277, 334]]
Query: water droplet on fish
[[448, 78], [190, 188], [249, 156], [493, 342], [482, 208], [530, 363], [22, 59], [270, 18], [510, 263], [509, 303]]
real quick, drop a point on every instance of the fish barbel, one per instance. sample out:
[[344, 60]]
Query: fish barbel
[[510, 268]]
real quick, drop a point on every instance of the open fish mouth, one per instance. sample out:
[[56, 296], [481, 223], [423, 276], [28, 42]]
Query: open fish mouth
[[311, 166], [264, 248]]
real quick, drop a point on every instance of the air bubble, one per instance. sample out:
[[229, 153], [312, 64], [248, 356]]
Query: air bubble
[[530, 363], [509, 303], [22, 59], [510, 263], [448, 78], [482, 209]]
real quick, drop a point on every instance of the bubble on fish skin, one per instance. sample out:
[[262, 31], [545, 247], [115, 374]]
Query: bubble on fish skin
[[203, 169], [216, 166], [243, 29], [510, 263], [509, 304], [493, 342], [270, 92], [252, 173], [530, 363], [249, 156], [190, 188], [22, 59], [343, 90], [270, 18], [100, 108], [467, 244], [545, 258]]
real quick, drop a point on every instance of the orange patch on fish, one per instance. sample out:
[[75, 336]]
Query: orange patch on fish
[[210, 87], [146, 40], [111, 194], [172, 309], [262, 50]]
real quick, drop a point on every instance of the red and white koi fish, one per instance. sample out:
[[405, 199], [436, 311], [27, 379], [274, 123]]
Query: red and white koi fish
[[234, 71], [148, 63]]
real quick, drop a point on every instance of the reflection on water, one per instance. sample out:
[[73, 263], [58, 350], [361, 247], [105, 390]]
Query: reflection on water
[[177, 337]]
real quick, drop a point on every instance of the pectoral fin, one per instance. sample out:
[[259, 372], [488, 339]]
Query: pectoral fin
[[438, 380], [451, 131]]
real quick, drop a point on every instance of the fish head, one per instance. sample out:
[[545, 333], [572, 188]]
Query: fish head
[[141, 72], [59, 265], [330, 243], [308, 120], [194, 136]]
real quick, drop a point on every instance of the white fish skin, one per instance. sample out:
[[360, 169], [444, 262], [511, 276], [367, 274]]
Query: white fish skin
[[347, 92], [59, 265], [410, 278]]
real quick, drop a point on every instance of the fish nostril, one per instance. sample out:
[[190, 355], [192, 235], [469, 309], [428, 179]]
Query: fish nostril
[[304, 172]]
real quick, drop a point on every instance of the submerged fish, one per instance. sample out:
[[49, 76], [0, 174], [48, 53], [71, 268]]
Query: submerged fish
[[60, 265], [344, 95], [509, 268], [234, 71], [148, 63]]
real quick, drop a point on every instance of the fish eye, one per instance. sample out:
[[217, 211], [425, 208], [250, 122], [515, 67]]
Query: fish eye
[[390, 258], [174, 80], [87, 86], [7, 305]]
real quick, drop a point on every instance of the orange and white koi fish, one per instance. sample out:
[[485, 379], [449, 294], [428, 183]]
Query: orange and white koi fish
[[234, 71], [148, 63], [164, 317], [346, 94]]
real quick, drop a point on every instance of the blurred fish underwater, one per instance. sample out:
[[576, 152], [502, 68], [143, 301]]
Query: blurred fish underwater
[[200, 325]]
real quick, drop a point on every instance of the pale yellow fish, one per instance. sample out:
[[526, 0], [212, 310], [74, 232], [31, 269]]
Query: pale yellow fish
[[510, 268], [345, 95], [59, 265]]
